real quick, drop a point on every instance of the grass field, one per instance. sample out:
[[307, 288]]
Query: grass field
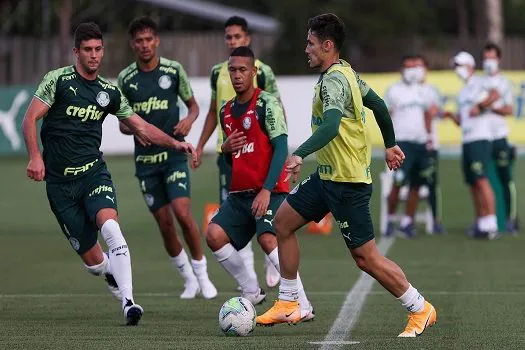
[[48, 301]]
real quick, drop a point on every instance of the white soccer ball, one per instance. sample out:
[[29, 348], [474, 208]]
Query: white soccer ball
[[237, 317]]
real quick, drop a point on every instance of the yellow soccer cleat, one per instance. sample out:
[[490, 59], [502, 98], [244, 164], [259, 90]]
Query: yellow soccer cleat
[[281, 312], [419, 321]]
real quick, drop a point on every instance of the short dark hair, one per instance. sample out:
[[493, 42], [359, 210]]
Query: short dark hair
[[237, 21], [414, 56], [243, 51], [328, 26], [87, 31], [142, 23], [492, 46]]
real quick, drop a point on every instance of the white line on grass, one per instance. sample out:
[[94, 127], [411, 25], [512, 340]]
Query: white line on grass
[[355, 299]]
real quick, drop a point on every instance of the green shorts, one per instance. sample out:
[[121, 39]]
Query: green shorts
[[236, 218], [476, 158], [428, 176], [225, 177], [501, 153], [348, 202], [76, 204], [415, 168], [171, 181]]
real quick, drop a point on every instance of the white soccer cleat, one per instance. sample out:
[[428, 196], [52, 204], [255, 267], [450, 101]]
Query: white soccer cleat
[[191, 290], [208, 290], [272, 275], [255, 298], [307, 314], [132, 313], [113, 286]]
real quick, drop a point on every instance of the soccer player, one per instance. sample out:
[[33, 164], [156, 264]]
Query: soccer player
[[256, 145], [236, 34], [342, 183], [411, 115], [501, 108], [476, 137], [152, 85], [74, 101]]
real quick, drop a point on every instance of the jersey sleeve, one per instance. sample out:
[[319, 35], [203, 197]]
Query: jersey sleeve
[[221, 120], [363, 86], [334, 92], [46, 90], [214, 75], [270, 83], [121, 109], [274, 121], [432, 97], [185, 91]]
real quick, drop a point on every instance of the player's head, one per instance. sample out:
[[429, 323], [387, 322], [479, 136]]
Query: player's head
[[326, 36], [464, 64], [413, 68], [236, 33], [491, 58], [144, 38], [89, 46], [241, 66]]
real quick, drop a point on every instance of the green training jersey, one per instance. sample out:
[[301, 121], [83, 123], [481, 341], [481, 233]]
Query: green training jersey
[[154, 95], [72, 128]]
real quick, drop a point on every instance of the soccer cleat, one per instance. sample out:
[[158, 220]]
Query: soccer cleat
[[419, 321], [113, 286], [255, 298], [272, 275], [307, 314], [437, 229], [409, 231], [191, 289], [513, 227], [281, 312], [472, 230], [390, 229], [208, 290], [132, 313]]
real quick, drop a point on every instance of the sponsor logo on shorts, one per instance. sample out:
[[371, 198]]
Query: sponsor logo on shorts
[[342, 224], [74, 243], [100, 189], [149, 199], [176, 175], [80, 169]]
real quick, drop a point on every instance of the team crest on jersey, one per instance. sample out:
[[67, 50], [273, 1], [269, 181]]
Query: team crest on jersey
[[165, 82], [103, 98], [149, 199], [247, 122]]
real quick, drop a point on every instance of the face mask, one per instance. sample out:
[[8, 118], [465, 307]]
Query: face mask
[[419, 75], [490, 66], [463, 72], [409, 75]]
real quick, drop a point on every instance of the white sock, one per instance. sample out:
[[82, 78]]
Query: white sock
[[100, 269], [232, 262], [288, 290], [246, 254], [181, 263], [301, 294], [412, 300], [485, 223], [200, 267], [119, 257], [405, 221], [492, 223]]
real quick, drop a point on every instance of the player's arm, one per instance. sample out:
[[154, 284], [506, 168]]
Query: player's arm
[[452, 116], [36, 111], [186, 93], [506, 109]]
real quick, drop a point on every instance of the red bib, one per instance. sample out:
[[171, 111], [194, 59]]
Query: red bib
[[250, 164]]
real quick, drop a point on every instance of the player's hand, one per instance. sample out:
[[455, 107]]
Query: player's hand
[[198, 162], [394, 157], [186, 147], [183, 127], [234, 142], [293, 167], [35, 169], [475, 111], [260, 203]]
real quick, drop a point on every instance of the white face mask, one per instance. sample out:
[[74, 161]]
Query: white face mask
[[410, 75], [490, 66], [463, 72], [419, 74]]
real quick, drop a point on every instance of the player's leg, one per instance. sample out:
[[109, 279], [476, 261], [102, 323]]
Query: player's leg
[[177, 185], [100, 202], [304, 203], [228, 231], [268, 242], [502, 157], [434, 191]]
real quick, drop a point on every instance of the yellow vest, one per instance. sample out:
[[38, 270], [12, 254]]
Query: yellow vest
[[225, 92], [347, 157]]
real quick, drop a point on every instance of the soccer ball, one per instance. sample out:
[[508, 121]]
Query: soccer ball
[[237, 317]]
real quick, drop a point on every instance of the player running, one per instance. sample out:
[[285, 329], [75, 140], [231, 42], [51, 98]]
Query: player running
[[74, 101], [236, 34], [342, 183], [256, 146], [153, 84]]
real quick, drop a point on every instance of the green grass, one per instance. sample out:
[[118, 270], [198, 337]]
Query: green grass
[[47, 300]]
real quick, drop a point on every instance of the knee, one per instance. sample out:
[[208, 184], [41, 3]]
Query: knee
[[366, 263], [268, 242], [215, 237], [183, 215], [280, 226]]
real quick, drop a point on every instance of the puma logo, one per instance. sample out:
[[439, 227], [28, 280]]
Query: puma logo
[[73, 89], [229, 126], [269, 221], [183, 185], [125, 253], [111, 199], [134, 86]]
